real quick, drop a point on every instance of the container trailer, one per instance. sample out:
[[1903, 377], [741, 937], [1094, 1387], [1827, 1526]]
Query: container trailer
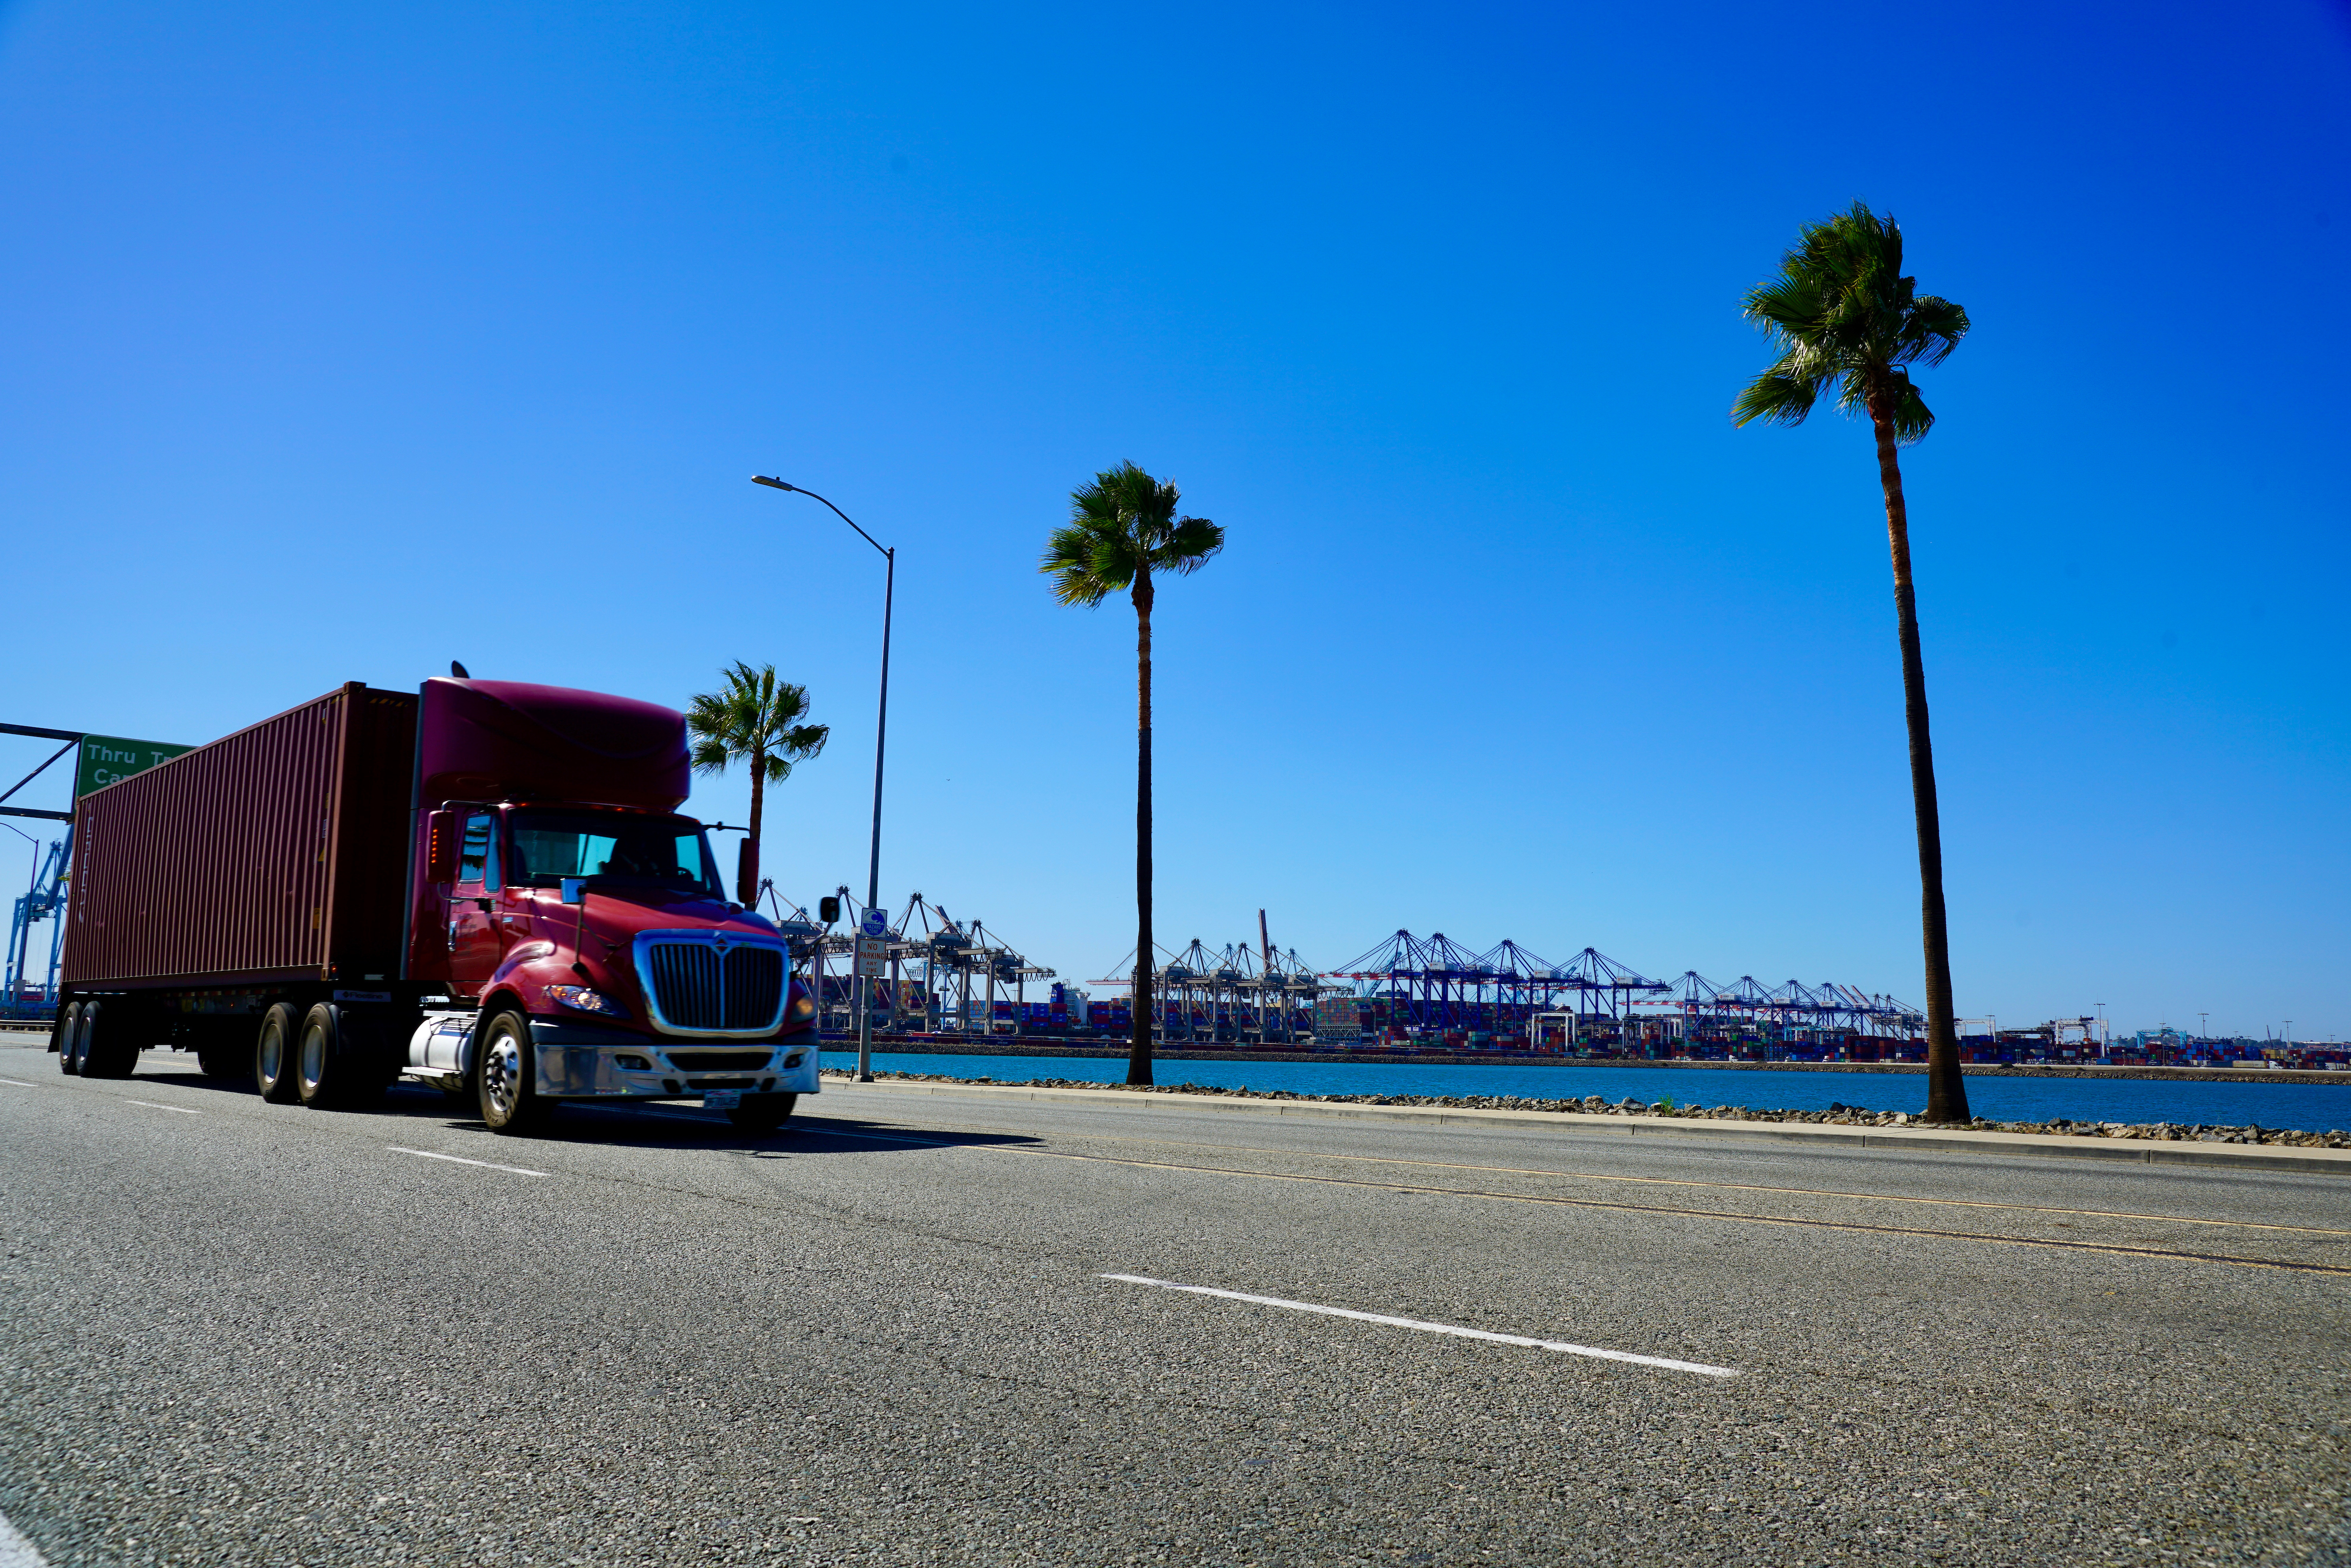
[[483, 885]]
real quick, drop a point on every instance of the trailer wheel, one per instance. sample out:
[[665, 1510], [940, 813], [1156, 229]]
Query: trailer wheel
[[334, 1067], [763, 1112], [68, 1043], [109, 1041], [273, 1054], [507, 1074]]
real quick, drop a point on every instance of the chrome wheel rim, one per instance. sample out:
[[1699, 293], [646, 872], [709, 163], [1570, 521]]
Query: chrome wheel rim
[[273, 1054], [81, 1037], [314, 1057], [502, 1074]]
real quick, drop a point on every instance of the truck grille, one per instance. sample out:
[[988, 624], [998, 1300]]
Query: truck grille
[[719, 1061], [697, 988]]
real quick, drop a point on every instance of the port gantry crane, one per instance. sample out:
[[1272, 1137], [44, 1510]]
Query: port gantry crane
[[1746, 1011], [937, 965], [44, 898], [1436, 984], [1225, 994]]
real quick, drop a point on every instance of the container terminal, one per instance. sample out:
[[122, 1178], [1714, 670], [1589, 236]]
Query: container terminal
[[947, 980]]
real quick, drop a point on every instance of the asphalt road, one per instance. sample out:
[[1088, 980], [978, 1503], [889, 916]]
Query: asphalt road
[[240, 1334]]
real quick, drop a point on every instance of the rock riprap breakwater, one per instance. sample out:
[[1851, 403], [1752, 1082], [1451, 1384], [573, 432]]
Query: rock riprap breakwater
[[1836, 1115]]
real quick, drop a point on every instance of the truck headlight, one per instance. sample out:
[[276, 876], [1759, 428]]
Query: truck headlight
[[580, 999], [803, 1009]]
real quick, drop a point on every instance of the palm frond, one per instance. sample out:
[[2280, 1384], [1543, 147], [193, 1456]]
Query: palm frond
[[1934, 328], [1776, 397], [1087, 561], [1910, 416], [1190, 544], [1844, 316], [754, 713]]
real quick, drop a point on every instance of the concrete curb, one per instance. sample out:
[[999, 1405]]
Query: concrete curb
[[2133, 1151]]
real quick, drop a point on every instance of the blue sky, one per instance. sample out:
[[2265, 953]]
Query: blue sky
[[341, 341]]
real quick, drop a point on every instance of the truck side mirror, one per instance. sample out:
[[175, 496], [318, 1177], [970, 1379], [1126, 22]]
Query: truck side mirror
[[747, 873], [575, 890], [828, 909], [441, 846]]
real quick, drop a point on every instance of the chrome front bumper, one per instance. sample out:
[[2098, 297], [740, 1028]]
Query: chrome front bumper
[[580, 1061]]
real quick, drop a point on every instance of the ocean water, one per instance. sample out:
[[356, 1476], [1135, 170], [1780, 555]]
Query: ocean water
[[2310, 1107]]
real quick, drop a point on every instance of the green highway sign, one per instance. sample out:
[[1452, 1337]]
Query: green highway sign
[[107, 758]]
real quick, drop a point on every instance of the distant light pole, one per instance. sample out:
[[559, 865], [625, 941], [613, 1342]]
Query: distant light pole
[[880, 734]]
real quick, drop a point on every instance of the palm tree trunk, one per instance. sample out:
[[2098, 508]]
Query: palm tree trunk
[[1138, 1060], [1946, 1090]]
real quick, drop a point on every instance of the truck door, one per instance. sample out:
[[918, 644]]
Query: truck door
[[474, 943]]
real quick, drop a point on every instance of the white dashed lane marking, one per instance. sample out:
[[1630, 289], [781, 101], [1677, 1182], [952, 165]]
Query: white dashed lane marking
[[462, 1160], [16, 1551], [1425, 1327], [177, 1110]]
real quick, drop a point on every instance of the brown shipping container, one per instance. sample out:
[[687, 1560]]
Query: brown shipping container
[[277, 854]]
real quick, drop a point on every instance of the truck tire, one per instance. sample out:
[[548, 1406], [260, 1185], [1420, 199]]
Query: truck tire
[[68, 1044], [763, 1112], [336, 1066], [506, 1075], [110, 1038], [274, 1050]]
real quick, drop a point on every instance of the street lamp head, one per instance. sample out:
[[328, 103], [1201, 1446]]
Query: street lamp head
[[772, 483]]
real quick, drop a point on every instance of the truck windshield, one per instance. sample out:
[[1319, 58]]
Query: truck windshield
[[627, 851]]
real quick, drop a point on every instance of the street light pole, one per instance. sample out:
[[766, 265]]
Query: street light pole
[[881, 736]]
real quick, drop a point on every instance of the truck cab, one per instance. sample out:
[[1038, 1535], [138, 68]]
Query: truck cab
[[607, 929], [573, 928]]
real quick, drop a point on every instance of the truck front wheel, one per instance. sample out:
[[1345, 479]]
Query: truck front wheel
[[508, 1076], [273, 1051]]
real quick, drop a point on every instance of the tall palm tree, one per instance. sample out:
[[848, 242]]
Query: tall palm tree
[[1122, 529], [1844, 317], [754, 718]]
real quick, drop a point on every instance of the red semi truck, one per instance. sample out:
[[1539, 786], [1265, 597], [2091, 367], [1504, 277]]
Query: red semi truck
[[482, 885]]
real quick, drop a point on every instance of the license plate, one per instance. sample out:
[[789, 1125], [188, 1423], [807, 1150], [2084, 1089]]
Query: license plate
[[722, 1099]]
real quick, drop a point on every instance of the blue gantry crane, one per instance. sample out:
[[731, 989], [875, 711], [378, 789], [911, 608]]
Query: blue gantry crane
[[43, 900]]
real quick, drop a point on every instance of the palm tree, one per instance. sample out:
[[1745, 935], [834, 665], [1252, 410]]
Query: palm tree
[[1843, 316], [1122, 529], [753, 717]]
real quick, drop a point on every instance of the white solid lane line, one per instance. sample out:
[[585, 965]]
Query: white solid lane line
[[182, 1109], [1426, 1327], [16, 1551], [462, 1160]]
